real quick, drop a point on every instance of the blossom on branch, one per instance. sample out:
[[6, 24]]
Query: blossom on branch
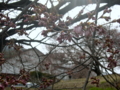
[[64, 36], [78, 30]]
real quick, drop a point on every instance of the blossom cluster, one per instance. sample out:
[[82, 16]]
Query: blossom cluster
[[95, 81]]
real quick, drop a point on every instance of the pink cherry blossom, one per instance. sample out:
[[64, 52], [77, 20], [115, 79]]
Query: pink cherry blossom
[[78, 30]]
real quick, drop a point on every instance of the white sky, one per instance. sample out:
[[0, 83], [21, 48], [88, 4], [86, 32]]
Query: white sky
[[114, 14]]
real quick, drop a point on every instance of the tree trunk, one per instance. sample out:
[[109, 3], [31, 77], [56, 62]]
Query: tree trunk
[[2, 43], [97, 71], [97, 68]]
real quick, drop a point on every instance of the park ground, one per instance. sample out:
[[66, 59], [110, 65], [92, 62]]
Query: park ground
[[77, 84]]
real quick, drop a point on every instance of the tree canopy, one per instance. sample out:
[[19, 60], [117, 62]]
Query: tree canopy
[[94, 45], [18, 24]]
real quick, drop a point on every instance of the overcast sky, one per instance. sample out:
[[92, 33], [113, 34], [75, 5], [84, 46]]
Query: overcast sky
[[114, 15]]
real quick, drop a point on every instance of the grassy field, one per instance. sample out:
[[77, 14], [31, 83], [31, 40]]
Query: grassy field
[[76, 84]]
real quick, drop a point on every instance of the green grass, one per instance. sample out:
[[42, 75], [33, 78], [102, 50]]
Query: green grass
[[8, 88], [77, 83], [98, 88]]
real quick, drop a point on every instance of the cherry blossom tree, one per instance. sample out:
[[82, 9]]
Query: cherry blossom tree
[[39, 23]]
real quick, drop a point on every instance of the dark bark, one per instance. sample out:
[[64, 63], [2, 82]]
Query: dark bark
[[96, 68], [2, 43], [21, 4]]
